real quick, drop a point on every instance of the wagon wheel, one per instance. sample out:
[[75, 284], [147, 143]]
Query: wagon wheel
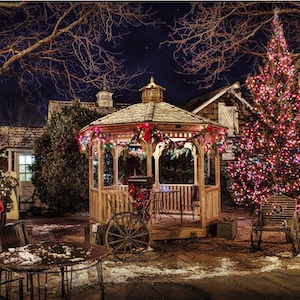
[[256, 232], [127, 234], [295, 235]]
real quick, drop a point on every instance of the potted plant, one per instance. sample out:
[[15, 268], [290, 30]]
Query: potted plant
[[7, 184], [227, 227]]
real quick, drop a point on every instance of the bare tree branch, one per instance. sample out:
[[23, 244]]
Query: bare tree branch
[[213, 36], [66, 46]]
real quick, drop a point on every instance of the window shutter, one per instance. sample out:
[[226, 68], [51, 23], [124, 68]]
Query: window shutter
[[228, 116]]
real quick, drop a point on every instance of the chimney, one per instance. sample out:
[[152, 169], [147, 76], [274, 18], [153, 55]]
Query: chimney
[[104, 98]]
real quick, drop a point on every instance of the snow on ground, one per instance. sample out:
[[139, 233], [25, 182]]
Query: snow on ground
[[275, 256], [121, 272], [47, 228]]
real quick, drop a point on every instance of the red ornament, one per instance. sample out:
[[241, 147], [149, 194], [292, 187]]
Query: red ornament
[[209, 128]]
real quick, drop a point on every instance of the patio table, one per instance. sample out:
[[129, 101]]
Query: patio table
[[54, 257]]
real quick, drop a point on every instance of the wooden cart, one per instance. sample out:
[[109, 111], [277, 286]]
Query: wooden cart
[[278, 213], [128, 233]]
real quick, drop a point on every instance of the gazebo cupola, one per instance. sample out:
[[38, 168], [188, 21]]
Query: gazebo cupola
[[152, 92]]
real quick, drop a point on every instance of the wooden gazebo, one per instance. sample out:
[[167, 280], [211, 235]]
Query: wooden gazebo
[[152, 125]]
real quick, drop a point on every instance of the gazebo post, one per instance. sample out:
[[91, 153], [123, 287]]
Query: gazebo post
[[201, 181], [96, 206], [156, 166], [196, 158], [92, 238], [149, 157], [100, 151], [115, 153], [157, 152], [218, 177]]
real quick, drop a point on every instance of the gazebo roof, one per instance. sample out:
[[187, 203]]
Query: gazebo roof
[[152, 112]]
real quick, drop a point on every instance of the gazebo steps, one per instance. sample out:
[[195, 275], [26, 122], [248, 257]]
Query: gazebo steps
[[173, 233], [171, 228]]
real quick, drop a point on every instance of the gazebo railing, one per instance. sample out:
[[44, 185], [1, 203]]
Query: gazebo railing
[[212, 203], [103, 212], [172, 201]]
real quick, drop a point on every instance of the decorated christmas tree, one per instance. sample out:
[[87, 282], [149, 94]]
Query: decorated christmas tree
[[268, 153]]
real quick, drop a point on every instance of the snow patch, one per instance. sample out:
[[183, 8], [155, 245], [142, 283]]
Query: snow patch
[[227, 267], [47, 228], [121, 272], [270, 263], [296, 263]]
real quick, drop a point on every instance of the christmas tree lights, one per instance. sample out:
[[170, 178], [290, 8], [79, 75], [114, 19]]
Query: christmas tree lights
[[268, 153]]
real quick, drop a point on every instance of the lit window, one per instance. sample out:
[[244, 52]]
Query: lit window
[[25, 162]]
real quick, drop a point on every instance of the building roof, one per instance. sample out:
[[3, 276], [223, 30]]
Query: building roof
[[56, 105], [155, 112], [197, 104], [19, 137]]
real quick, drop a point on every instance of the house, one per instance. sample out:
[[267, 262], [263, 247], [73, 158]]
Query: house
[[16, 156], [104, 104], [225, 106], [17, 144]]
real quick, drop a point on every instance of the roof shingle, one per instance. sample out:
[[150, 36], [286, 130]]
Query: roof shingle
[[18, 137], [161, 112]]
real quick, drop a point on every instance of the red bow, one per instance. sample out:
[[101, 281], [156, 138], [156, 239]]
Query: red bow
[[147, 128]]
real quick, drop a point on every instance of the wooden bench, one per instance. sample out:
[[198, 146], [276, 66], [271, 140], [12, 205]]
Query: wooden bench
[[277, 213]]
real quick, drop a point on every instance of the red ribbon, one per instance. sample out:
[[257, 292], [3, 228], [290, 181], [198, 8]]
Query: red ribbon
[[209, 128], [147, 128]]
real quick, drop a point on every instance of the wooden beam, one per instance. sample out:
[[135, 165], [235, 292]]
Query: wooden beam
[[218, 178]]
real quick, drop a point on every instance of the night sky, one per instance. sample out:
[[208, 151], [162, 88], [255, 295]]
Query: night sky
[[142, 47]]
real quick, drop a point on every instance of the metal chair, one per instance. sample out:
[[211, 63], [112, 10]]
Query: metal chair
[[8, 288], [194, 200]]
